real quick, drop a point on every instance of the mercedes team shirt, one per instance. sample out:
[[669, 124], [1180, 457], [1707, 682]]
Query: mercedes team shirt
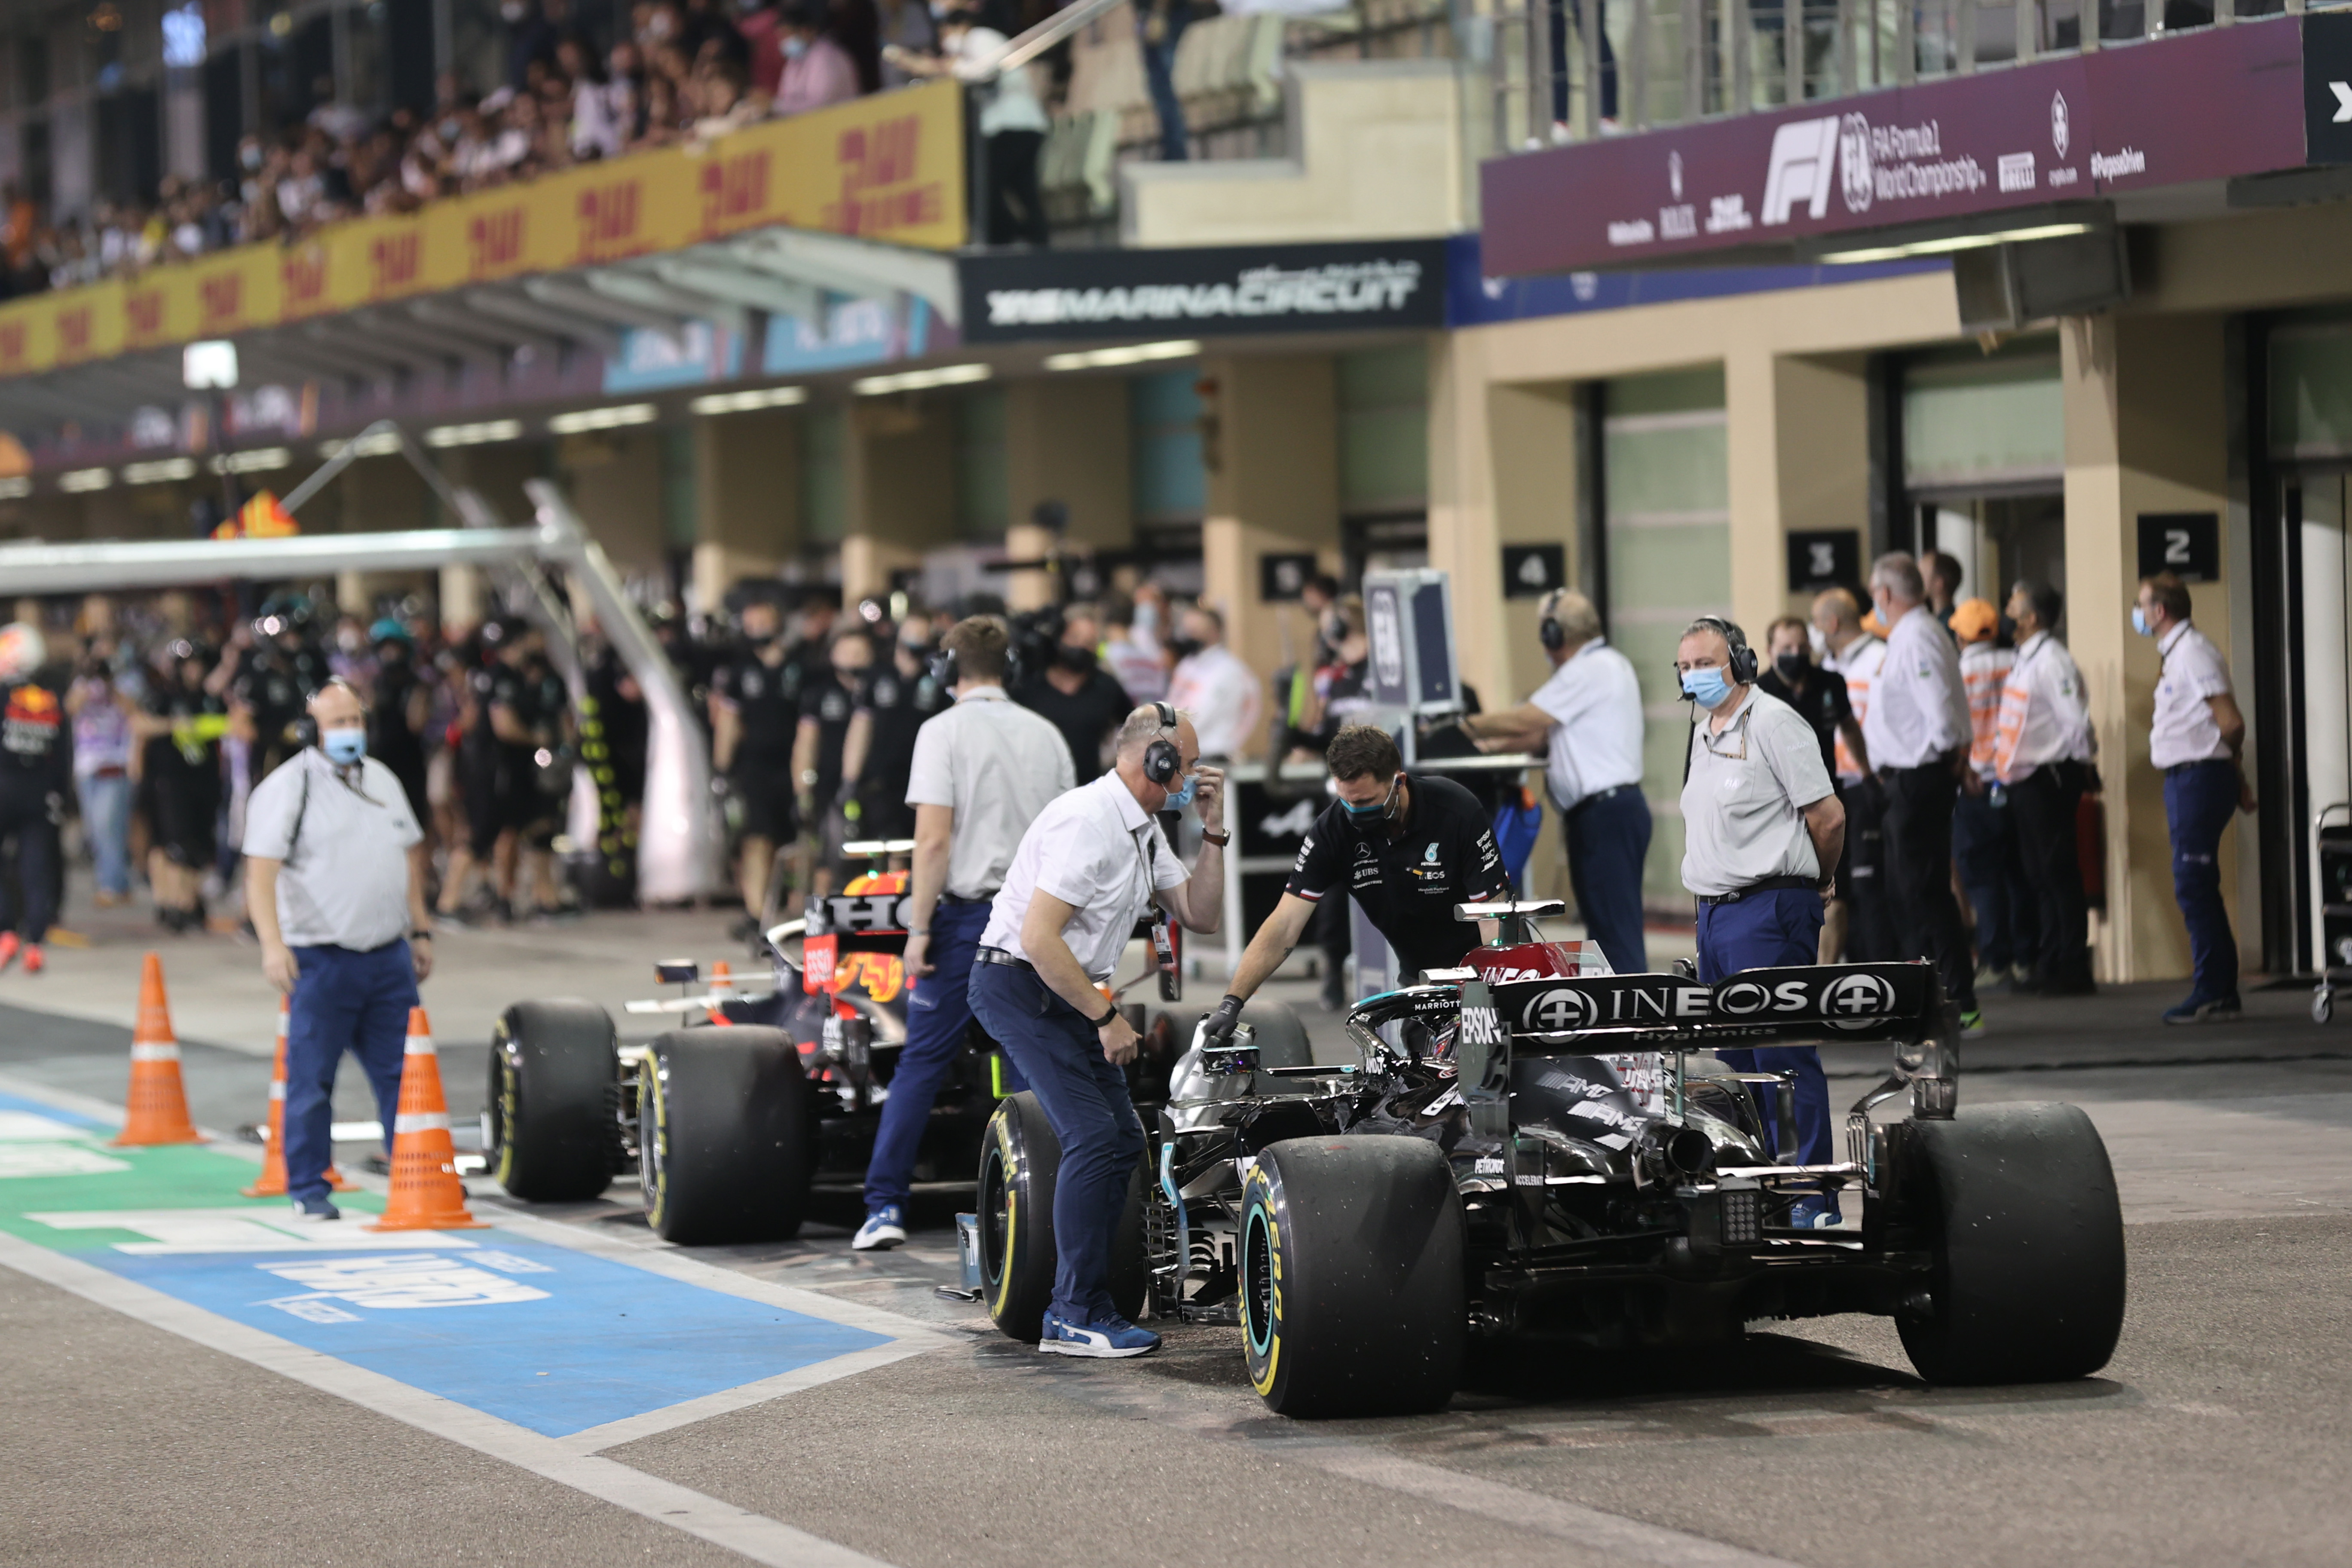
[[1408, 884]]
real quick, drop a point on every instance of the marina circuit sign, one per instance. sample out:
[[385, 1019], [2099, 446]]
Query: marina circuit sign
[[514, 1322], [1220, 291]]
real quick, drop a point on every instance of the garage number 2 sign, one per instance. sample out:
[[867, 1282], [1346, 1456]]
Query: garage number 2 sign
[[2186, 543]]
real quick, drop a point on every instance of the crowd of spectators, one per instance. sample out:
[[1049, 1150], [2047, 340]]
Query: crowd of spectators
[[689, 70]]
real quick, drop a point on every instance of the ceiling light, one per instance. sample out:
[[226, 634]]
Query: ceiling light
[[80, 479], [474, 435], [382, 444], [603, 418], [158, 473], [917, 380], [1133, 354], [13, 489], [1956, 242], [260, 460], [743, 402]]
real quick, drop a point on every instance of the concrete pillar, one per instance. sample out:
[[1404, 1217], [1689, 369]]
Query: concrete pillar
[[900, 477], [1271, 445], [461, 598], [747, 499], [1798, 452], [1066, 440], [2146, 431], [615, 480]]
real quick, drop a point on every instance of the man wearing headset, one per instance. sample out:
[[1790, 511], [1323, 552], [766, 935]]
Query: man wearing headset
[[1588, 719], [1408, 846], [1087, 870], [1762, 831]]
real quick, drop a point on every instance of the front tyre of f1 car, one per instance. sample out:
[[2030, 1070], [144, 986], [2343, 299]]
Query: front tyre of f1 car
[[1351, 1282], [726, 1133], [550, 1133], [2028, 1239], [1020, 1163]]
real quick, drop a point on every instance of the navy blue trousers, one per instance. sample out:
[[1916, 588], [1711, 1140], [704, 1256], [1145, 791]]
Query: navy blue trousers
[[343, 1001], [2199, 801], [1986, 844], [1084, 1100], [1607, 840], [938, 1010], [1776, 929]]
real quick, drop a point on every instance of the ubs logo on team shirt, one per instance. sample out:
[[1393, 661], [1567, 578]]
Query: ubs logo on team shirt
[[753, 683]]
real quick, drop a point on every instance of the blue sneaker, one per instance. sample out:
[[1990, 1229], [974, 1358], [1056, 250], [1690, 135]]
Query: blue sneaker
[[1814, 1214], [885, 1228], [310, 1211], [1109, 1338], [2197, 1010]]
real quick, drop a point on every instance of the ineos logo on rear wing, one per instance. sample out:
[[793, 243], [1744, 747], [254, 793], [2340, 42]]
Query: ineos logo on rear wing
[[1875, 999]]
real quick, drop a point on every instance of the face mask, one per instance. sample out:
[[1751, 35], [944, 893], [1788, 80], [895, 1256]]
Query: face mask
[[511, 11], [1179, 799], [250, 157], [2140, 622], [2006, 628], [449, 128], [343, 747], [1184, 648], [1076, 660], [1790, 666], [1365, 816], [1706, 687], [795, 47]]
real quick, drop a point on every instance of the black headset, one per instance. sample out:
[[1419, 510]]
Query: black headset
[[1743, 667], [1553, 637], [1162, 760], [943, 669]]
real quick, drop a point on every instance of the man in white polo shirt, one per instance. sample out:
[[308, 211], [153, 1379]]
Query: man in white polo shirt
[[1762, 831], [2197, 738], [1918, 733], [2042, 753], [334, 883], [1588, 720], [1088, 867], [981, 773]]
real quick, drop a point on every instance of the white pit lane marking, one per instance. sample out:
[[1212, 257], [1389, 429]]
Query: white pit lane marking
[[747, 1534]]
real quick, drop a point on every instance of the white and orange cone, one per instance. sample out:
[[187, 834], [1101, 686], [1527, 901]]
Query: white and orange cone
[[426, 1192], [156, 1111]]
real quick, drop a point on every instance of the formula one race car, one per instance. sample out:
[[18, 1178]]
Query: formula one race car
[[732, 1119], [1527, 1152]]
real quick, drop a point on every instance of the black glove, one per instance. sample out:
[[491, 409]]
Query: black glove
[[1218, 1026]]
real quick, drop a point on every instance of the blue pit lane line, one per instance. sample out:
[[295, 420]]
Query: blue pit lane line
[[555, 1339]]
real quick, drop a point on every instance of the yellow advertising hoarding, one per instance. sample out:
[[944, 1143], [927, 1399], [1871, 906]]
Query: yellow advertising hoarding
[[889, 168]]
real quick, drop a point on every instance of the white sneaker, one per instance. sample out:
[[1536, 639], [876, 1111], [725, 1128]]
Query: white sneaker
[[884, 1228]]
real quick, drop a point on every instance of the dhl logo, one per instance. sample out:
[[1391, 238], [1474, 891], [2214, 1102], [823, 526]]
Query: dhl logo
[[882, 974], [734, 190], [881, 154], [220, 299], [142, 315], [12, 344], [393, 264], [608, 219], [494, 241], [302, 279], [73, 333]]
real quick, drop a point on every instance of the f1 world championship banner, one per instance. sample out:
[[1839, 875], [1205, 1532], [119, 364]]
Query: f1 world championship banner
[[888, 167], [1215, 292], [2212, 105]]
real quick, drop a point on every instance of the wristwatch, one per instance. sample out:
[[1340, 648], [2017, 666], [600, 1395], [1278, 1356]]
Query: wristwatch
[[1219, 839], [420, 936]]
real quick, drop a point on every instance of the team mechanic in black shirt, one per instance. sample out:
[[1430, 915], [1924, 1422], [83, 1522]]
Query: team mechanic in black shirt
[[1409, 846]]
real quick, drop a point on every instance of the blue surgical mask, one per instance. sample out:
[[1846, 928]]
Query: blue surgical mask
[[343, 747], [1180, 799], [2140, 622], [1706, 687]]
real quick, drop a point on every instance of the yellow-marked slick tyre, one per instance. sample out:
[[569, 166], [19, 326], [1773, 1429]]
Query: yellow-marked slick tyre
[[1351, 1287], [1019, 1159], [551, 1135], [2028, 1237], [726, 1136]]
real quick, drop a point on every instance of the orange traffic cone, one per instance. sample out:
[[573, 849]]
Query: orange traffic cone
[[157, 1109], [272, 1184], [426, 1192]]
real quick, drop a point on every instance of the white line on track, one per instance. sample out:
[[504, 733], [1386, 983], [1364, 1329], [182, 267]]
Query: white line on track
[[629, 1428], [747, 1534]]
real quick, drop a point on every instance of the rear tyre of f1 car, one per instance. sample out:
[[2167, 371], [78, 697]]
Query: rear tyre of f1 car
[[1020, 1159], [551, 1137], [2028, 1237], [727, 1131], [1351, 1280]]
